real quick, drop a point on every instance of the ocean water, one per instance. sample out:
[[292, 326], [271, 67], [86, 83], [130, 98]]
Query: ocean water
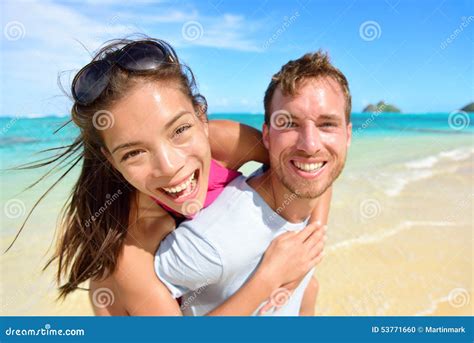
[[401, 220]]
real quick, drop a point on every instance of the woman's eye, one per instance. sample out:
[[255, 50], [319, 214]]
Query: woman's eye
[[181, 129], [131, 154]]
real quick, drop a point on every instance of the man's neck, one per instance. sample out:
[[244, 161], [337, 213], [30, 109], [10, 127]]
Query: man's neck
[[284, 202]]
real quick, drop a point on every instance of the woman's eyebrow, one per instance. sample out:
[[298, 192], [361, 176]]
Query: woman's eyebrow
[[126, 145], [176, 118]]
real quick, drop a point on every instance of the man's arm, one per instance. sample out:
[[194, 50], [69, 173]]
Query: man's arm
[[309, 298]]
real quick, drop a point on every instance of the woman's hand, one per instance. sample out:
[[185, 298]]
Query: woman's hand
[[292, 255]]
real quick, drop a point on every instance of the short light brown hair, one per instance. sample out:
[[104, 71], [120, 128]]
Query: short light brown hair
[[294, 73]]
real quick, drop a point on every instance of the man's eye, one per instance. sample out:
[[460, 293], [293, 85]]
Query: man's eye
[[329, 125], [181, 129], [131, 154]]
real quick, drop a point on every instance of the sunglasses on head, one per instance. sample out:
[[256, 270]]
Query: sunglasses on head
[[141, 56]]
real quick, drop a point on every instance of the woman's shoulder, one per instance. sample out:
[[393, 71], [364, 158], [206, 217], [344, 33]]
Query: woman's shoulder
[[132, 278], [103, 295]]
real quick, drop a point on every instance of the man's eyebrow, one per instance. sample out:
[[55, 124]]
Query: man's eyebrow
[[329, 116]]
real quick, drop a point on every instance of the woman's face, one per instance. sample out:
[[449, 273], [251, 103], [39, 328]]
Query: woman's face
[[160, 146]]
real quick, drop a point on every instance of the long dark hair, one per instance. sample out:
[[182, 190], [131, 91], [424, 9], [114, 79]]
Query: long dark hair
[[95, 218]]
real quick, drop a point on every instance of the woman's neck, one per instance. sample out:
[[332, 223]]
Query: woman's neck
[[144, 210]]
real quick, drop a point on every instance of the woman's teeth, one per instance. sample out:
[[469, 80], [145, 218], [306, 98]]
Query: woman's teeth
[[187, 186], [308, 167]]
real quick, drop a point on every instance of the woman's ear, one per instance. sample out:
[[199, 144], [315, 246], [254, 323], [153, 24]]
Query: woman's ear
[[201, 113]]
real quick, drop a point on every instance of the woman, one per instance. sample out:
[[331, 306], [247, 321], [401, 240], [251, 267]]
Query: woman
[[145, 140]]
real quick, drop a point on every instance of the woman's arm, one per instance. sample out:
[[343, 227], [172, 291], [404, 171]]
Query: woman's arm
[[233, 144]]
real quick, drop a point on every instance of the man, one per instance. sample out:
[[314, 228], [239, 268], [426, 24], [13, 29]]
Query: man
[[307, 132]]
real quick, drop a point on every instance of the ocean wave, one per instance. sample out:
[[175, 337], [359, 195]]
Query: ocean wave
[[427, 162], [394, 183], [458, 154], [399, 181], [17, 140], [380, 236]]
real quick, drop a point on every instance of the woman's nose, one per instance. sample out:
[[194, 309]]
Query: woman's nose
[[167, 161]]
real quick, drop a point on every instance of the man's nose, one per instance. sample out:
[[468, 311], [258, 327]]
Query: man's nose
[[309, 139]]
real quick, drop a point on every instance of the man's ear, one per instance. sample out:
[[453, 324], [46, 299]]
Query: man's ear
[[266, 135], [349, 134]]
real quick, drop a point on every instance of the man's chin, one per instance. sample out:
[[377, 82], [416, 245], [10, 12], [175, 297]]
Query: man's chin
[[304, 190]]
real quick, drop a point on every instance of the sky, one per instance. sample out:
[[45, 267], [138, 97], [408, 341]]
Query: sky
[[417, 55]]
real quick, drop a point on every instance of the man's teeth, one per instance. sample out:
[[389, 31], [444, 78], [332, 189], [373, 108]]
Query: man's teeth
[[308, 167], [182, 186]]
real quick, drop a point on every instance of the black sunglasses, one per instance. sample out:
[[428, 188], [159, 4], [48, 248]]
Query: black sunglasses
[[91, 81]]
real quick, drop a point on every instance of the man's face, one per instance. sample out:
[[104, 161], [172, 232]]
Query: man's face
[[308, 137]]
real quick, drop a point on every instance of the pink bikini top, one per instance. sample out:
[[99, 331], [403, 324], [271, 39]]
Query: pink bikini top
[[219, 177]]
